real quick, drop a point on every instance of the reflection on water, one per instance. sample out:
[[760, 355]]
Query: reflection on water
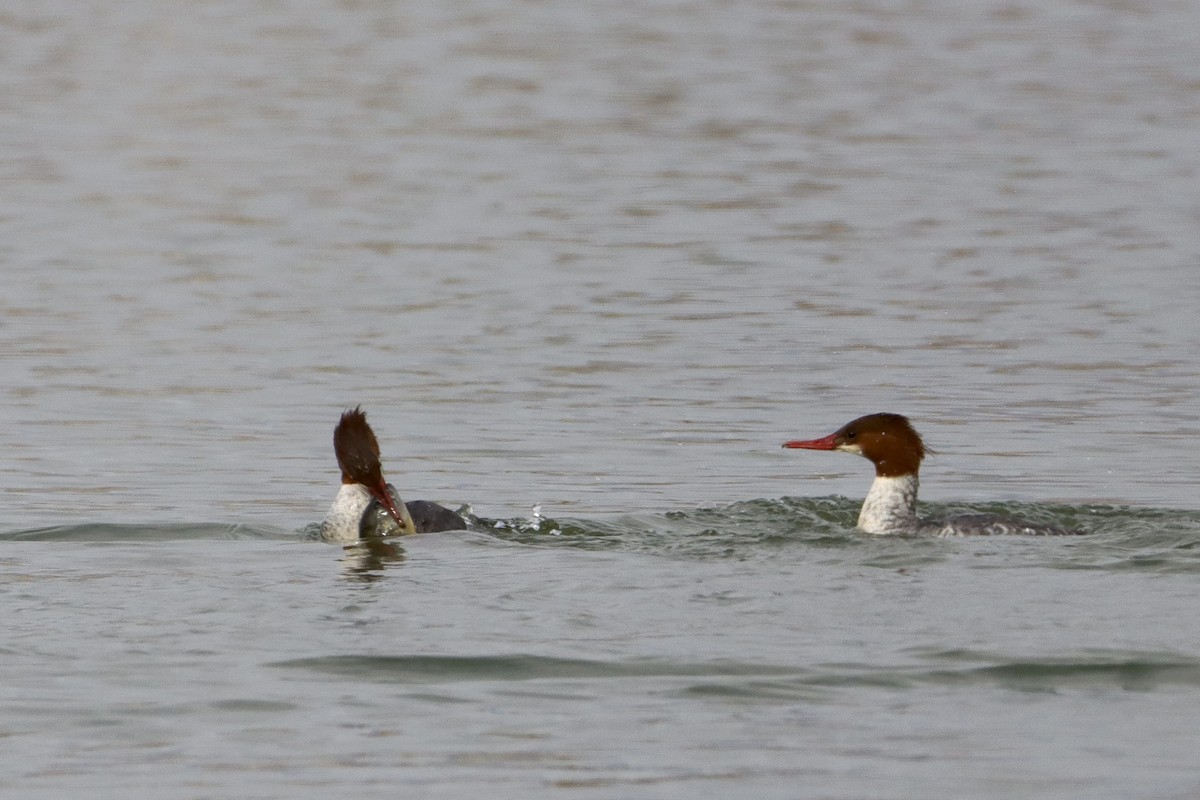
[[367, 560]]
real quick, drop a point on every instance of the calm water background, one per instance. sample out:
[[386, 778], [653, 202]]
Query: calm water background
[[600, 258]]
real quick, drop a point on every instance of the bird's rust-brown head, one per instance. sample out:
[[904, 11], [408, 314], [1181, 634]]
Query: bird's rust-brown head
[[888, 440], [357, 453]]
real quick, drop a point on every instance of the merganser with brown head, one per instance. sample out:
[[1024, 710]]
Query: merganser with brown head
[[891, 443], [367, 505]]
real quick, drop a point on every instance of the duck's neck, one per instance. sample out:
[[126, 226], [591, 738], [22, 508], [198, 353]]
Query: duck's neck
[[345, 515], [891, 505]]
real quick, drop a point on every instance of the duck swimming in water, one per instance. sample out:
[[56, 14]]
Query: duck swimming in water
[[366, 505], [890, 442]]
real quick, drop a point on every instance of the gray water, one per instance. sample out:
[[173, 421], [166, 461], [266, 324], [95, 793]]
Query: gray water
[[587, 266]]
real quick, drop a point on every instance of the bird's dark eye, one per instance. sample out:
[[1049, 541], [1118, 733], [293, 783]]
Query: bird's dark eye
[[851, 434]]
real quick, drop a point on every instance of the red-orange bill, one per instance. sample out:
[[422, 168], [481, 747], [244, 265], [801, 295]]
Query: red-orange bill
[[385, 497], [824, 443]]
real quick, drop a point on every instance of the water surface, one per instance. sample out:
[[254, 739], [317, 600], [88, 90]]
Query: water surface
[[601, 260]]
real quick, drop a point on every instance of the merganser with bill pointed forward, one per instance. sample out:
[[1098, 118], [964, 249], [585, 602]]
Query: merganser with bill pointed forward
[[367, 506], [891, 443]]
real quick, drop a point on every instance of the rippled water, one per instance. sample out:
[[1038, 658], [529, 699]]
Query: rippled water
[[760, 647], [600, 260]]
